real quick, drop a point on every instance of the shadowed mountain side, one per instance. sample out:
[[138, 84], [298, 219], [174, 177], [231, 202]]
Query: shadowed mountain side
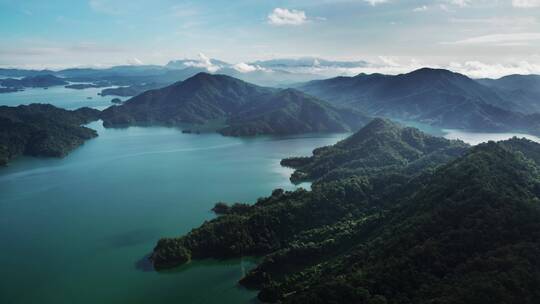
[[434, 96], [462, 232], [43, 130]]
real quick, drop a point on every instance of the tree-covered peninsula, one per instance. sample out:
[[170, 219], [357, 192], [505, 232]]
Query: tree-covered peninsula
[[462, 228], [43, 130]]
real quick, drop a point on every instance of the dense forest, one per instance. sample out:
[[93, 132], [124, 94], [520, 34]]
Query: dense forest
[[235, 107], [438, 97], [42, 130], [462, 228]]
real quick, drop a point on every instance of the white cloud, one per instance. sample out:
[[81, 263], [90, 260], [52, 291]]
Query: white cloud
[[478, 69], [375, 2], [135, 61], [525, 3], [243, 67], [460, 3], [422, 8], [203, 62], [283, 16], [500, 39]]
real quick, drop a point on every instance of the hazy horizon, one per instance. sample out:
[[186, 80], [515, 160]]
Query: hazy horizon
[[478, 38]]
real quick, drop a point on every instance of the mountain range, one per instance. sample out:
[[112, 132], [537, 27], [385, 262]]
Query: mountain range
[[433, 96], [276, 72], [463, 229], [241, 108]]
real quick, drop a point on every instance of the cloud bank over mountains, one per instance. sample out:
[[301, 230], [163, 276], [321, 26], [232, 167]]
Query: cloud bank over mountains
[[382, 64]]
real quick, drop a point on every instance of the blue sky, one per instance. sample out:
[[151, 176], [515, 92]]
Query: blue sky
[[493, 36]]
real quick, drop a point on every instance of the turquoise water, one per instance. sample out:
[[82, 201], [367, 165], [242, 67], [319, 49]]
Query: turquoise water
[[74, 230], [58, 96]]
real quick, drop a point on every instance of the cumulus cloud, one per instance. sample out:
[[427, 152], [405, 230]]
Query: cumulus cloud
[[203, 62], [283, 16], [461, 3], [422, 8], [243, 67], [478, 69], [526, 3], [473, 68]]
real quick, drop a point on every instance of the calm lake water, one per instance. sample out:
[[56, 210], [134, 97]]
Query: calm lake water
[[60, 97], [75, 230]]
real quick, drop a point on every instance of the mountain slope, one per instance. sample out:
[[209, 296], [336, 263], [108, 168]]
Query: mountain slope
[[198, 99], [523, 90], [247, 109], [466, 232], [380, 146], [433, 96], [42, 130], [289, 112]]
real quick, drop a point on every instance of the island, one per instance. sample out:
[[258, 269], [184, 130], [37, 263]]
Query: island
[[131, 90], [38, 81], [43, 130], [82, 86], [394, 216]]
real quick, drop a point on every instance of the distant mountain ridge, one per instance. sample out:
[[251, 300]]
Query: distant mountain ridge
[[523, 90], [434, 96], [245, 108]]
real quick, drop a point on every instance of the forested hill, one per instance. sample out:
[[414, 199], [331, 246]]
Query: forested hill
[[435, 96], [290, 112], [42, 130], [467, 231], [382, 145], [242, 108]]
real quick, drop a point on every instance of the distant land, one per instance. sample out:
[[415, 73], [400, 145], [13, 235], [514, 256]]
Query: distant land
[[414, 219], [244, 109], [38, 81], [437, 97]]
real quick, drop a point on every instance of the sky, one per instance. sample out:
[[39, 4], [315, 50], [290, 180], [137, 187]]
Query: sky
[[477, 37]]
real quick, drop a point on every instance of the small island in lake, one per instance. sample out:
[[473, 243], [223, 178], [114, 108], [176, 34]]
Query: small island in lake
[[38, 81]]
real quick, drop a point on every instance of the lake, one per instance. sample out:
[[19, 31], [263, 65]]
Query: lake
[[75, 230], [60, 97]]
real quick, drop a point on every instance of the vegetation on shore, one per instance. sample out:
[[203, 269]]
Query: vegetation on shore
[[43, 130], [463, 228]]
